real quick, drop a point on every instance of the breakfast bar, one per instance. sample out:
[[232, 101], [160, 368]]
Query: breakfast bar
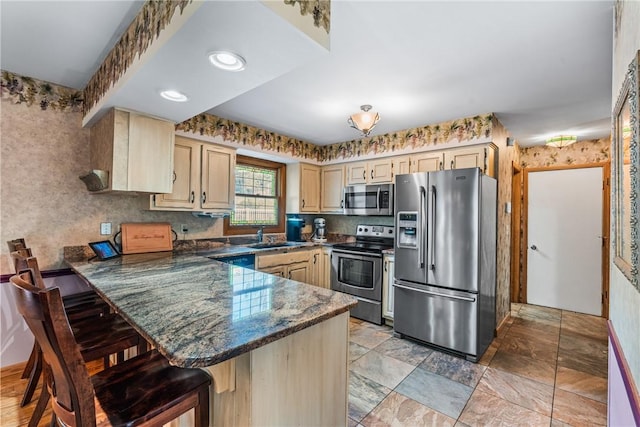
[[277, 349]]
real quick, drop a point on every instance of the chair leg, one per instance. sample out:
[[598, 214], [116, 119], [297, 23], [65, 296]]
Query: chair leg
[[32, 360], [201, 411], [43, 401], [33, 380]]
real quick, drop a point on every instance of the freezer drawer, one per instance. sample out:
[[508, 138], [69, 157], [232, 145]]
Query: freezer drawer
[[437, 316]]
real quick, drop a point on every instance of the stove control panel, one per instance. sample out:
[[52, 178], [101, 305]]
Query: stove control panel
[[375, 231]]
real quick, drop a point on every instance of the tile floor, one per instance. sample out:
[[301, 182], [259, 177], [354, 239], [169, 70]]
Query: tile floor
[[548, 368]]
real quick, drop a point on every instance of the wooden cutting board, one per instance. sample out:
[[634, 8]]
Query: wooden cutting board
[[141, 237]]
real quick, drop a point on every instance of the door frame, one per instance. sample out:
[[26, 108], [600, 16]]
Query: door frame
[[516, 241], [606, 192]]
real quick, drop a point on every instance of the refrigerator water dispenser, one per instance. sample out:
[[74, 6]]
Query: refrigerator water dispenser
[[407, 230]]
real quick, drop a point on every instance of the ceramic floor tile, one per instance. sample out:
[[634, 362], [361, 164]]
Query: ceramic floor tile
[[382, 369], [584, 324], [583, 354], [521, 391], [368, 336], [539, 349], [364, 395], [537, 370], [487, 410], [539, 312], [489, 353], [355, 351], [577, 410], [535, 329], [586, 385], [352, 423], [404, 350], [399, 410], [556, 423], [454, 368], [436, 392]]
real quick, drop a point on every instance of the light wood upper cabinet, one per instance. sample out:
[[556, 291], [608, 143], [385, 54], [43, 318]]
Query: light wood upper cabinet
[[203, 178], [136, 151], [427, 162], [303, 188], [371, 172], [475, 156], [332, 185], [401, 165]]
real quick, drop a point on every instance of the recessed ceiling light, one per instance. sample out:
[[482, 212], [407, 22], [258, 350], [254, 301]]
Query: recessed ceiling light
[[174, 95], [227, 61]]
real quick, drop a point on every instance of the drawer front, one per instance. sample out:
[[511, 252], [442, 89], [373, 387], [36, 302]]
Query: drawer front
[[264, 261]]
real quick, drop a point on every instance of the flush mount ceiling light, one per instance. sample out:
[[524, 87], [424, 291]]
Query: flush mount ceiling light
[[364, 121], [561, 141], [174, 95], [227, 61]]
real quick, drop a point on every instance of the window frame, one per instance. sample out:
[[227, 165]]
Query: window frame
[[281, 192]]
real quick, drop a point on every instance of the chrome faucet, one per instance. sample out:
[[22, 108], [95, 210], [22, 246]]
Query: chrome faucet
[[260, 233]]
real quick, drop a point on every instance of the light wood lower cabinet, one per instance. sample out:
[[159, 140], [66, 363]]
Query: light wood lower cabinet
[[387, 286], [303, 265]]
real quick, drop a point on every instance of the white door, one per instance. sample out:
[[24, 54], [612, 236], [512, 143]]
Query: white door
[[564, 245]]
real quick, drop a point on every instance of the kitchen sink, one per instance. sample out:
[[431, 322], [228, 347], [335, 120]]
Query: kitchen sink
[[267, 245]]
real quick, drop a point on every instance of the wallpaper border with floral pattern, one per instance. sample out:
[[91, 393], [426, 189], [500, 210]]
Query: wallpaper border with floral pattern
[[320, 11], [30, 91], [145, 28]]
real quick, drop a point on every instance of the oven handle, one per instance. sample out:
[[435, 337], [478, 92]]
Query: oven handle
[[359, 254], [437, 294]]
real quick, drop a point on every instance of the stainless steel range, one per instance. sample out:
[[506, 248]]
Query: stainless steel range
[[356, 269]]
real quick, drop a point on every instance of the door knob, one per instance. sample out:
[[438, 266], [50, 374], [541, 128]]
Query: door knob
[[534, 247]]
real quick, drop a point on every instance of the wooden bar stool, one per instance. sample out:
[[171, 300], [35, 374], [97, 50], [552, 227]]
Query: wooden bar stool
[[144, 390]]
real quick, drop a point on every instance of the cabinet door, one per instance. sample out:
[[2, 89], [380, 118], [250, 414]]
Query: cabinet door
[[472, 157], [325, 268], [332, 183], [426, 162], [299, 271], [380, 171], [387, 287], [278, 270], [357, 173], [186, 176], [218, 177], [150, 154], [309, 188], [401, 165], [315, 264]]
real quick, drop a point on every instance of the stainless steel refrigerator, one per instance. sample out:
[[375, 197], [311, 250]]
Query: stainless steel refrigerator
[[445, 259]]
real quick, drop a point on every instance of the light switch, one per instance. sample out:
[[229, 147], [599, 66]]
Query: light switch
[[105, 228]]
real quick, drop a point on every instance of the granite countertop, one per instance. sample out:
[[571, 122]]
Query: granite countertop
[[198, 312]]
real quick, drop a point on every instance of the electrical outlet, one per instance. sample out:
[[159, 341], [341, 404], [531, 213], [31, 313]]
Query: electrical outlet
[[105, 228], [184, 229]]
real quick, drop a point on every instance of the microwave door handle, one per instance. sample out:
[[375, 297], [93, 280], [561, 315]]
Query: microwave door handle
[[378, 199], [432, 221], [423, 199]]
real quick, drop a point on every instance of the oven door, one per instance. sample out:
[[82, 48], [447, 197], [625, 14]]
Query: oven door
[[357, 273]]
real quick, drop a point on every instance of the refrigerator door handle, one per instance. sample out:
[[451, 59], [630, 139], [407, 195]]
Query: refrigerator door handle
[[377, 197], [423, 199], [432, 221], [437, 294]]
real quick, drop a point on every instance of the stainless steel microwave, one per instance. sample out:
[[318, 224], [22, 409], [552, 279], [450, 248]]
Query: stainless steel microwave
[[371, 199]]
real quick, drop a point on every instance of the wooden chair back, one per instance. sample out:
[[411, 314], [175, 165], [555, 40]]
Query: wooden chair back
[[16, 244], [42, 309], [23, 259]]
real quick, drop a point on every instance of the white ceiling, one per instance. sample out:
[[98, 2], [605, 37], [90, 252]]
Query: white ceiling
[[543, 67]]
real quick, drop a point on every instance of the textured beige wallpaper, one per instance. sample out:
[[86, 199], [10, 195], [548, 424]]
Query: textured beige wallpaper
[[43, 154], [592, 151]]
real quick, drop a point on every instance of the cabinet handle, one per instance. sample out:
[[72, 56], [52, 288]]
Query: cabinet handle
[[451, 164], [385, 266], [303, 203], [364, 174], [341, 204], [204, 197], [315, 256], [193, 197], [174, 177], [440, 167], [289, 275], [371, 173]]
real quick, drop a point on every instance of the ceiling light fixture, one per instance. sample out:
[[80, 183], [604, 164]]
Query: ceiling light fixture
[[561, 140], [227, 61], [364, 121], [174, 95]]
